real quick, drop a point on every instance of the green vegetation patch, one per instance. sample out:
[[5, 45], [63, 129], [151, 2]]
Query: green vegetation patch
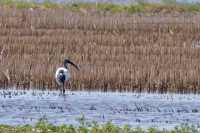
[[43, 126], [141, 6]]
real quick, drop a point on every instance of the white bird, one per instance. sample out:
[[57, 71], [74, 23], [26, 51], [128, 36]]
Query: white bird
[[62, 74]]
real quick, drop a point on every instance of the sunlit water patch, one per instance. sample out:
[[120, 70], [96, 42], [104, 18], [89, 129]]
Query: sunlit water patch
[[19, 107]]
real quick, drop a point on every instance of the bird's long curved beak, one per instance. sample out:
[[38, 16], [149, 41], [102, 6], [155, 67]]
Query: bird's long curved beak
[[73, 64]]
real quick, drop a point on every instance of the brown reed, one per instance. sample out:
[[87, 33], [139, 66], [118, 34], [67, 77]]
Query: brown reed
[[114, 52]]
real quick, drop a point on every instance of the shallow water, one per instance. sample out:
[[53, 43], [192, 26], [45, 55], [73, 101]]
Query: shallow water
[[165, 110]]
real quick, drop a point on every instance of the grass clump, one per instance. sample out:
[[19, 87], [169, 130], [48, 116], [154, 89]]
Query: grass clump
[[43, 126], [141, 6], [115, 51]]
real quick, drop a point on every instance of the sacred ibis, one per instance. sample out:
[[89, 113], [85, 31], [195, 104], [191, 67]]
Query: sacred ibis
[[62, 74]]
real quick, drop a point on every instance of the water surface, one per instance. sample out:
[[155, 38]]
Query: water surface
[[166, 110]]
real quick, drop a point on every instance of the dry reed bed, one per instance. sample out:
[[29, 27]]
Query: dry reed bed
[[125, 52]]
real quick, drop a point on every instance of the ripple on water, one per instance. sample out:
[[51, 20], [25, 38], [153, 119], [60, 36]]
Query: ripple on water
[[166, 110]]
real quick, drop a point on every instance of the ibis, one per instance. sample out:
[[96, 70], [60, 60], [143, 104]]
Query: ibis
[[62, 74]]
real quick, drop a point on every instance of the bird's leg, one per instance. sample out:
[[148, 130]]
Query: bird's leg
[[60, 94], [60, 90], [63, 88]]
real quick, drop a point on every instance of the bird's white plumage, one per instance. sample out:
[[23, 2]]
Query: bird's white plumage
[[66, 72]]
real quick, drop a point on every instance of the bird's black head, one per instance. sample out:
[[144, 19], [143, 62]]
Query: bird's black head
[[68, 61]]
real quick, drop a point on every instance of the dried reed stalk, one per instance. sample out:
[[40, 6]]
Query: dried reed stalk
[[124, 52]]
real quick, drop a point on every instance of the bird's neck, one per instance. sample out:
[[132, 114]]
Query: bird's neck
[[66, 65]]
